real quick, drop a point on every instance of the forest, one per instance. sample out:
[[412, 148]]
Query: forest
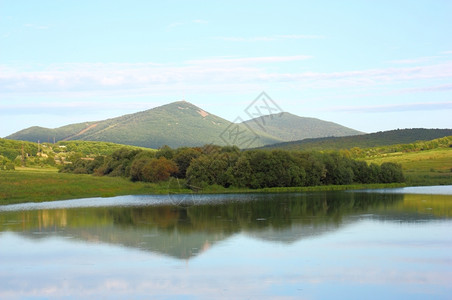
[[230, 167]]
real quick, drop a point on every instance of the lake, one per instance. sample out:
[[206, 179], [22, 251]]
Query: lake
[[373, 244]]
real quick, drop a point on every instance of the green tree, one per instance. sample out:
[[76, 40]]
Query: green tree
[[136, 169], [158, 169], [183, 159], [362, 172], [391, 172], [202, 171], [285, 169], [339, 169], [118, 164], [166, 152], [314, 167], [242, 173]]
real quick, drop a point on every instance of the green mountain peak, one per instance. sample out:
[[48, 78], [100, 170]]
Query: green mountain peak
[[182, 123]]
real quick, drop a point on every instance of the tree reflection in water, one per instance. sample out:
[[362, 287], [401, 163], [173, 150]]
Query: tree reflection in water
[[184, 232]]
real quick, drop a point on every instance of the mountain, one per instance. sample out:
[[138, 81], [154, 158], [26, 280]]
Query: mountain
[[289, 127], [377, 139], [183, 124]]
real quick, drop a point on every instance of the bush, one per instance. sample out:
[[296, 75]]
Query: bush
[[158, 169], [9, 166], [391, 172]]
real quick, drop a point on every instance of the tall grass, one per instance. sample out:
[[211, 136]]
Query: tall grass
[[431, 167]]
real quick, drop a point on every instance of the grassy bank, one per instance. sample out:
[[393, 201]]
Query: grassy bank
[[37, 185]]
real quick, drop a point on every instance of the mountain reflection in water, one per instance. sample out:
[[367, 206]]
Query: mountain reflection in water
[[184, 232]]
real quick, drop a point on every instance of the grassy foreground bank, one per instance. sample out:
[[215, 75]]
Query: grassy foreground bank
[[34, 185]]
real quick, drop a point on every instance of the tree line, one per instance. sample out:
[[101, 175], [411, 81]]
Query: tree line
[[229, 166], [444, 142]]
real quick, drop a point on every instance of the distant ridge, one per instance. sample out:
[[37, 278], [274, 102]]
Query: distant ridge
[[381, 138], [181, 123], [289, 127]]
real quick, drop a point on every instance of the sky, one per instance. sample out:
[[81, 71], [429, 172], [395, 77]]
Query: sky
[[368, 65]]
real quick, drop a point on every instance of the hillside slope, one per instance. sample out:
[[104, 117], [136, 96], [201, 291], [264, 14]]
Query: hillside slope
[[377, 139], [36, 133], [289, 127], [176, 124], [181, 124]]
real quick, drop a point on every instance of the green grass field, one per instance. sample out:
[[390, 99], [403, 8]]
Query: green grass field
[[431, 167], [37, 185]]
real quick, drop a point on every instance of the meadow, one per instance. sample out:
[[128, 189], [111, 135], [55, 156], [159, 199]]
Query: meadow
[[429, 167], [46, 184]]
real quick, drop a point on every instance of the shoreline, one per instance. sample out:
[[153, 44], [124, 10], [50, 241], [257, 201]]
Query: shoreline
[[42, 186]]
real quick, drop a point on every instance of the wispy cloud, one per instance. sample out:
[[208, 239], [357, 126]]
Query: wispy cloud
[[185, 23], [200, 21], [34, 26], [269, 38], [435, 88], [217, 74], [249, 60], [243, 39], [414, 60], [422, 106], [70, 107], [174, 25], [300, 36]]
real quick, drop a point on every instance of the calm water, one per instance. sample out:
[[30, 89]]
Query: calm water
[[385, 244]]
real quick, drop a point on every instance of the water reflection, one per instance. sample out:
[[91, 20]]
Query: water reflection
[[353, 245], [184, 232]]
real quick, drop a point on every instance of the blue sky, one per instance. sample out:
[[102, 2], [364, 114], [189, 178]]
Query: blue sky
[[369, 65]]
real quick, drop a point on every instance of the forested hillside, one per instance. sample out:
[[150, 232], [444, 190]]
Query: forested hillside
[[377, 139]]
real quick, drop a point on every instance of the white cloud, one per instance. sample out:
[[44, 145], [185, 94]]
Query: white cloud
[[422, 106], [69, 107], [248, 60], [269, 38], [174, 25], [34, 26], [200, 21], [178, 24], [435, 88], [414, 60], [211, 75], [300, 36], [242, 39]]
